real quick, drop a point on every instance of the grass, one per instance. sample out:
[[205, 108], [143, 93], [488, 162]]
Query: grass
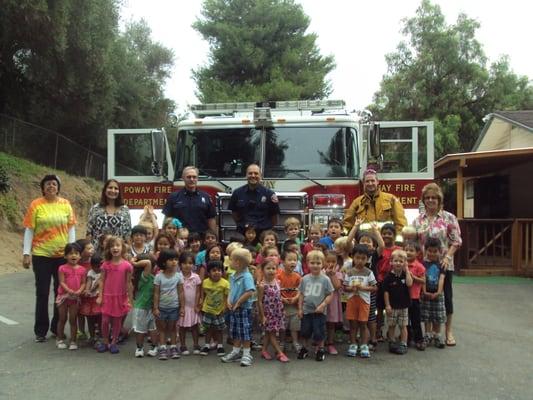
[[24, 169]]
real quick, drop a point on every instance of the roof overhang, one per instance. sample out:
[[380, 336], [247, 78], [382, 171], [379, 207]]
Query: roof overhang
[[481, 163]]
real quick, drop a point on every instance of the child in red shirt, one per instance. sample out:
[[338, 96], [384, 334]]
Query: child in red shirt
[[418, 272]]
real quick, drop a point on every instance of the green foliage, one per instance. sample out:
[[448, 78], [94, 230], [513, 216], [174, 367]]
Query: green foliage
[[260, 51], [65, 65], [4, 180], [440, 73]]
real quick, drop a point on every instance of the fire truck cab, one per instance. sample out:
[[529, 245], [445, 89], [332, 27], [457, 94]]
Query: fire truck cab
[[311, 153]]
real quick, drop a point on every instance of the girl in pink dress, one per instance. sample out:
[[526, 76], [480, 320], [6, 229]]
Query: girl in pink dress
[[271, 314], [191, 317], [334, 314], [116, 292], [71, 284]]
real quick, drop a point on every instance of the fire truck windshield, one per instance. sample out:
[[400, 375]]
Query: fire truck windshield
[[290, 151]]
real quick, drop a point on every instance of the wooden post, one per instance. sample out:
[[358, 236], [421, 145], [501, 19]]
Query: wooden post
[[460, 190], [516, 246]]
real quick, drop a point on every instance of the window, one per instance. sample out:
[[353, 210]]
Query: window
[[315, 152], [133, 154]]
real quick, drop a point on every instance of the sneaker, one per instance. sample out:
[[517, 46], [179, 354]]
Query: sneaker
[[332, 350], [162, 353], [266, 355], [297, 347], [247, 360], [40, 339], [401, 349], [256, 346], [73, 346], [139, 352], [152, 352], [174, 353], [365, 352], [204, 350], [320, 354], [439, 343], [220, 351], [184, 351], [393, 347], [231, 357], [428, 339], [113, 349], [421, 346], [196, 350], [303, 353], [60, 344], [352, 350], [101, 347]]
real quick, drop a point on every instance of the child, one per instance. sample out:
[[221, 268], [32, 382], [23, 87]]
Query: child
[[168, 302], [192, 303], [72, 278], [228, 270], [194, 243], [409, 234], [388, 233], [418, 272], [143, 317], [289, 282], [267, 238], [359, 283], [292, 230], [242, 288], [270, 253], [89, 308], [250, 238], [210, 239], [334, 232], [334, 310], [148, 219], [163, 241], [292, 245], [397, 300], [432, 310], [316, 292], [314, 234], [87, 251], [116, 292], [139, 246], [172, 227], [271, 310], [215, 291]]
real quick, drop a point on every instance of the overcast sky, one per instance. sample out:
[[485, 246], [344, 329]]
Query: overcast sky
[[346, 29]]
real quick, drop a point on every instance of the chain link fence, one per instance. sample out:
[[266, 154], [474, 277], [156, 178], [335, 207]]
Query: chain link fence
[[46, 147]]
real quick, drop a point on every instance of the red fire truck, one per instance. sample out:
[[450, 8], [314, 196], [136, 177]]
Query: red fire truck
[[312, 154]]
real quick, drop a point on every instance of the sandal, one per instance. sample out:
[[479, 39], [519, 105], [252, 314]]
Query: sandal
[[266, 355], [282, 358], [450, 341]]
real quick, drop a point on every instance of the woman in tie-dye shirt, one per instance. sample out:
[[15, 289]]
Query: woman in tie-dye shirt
[[49, 225], [436, 223]]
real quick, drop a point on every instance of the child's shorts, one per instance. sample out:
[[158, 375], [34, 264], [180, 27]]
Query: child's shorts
[[433, 310], [313, 326], [143, 320], [292, 322], [357, 309], [169, 314], [400, 317], [240, 324], [372, 310], [212, 321]]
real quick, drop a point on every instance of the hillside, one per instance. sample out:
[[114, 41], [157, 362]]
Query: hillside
[[23, 178]]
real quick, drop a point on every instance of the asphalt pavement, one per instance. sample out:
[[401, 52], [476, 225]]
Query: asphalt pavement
[[492, 360]]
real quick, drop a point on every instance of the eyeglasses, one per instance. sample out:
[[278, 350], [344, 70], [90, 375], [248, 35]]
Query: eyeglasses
[[191, 177]]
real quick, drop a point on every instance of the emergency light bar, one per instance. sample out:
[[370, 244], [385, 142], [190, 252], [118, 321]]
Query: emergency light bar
[[295, 105], [329, 201]]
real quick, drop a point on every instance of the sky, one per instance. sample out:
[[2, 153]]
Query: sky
[[358, 33]]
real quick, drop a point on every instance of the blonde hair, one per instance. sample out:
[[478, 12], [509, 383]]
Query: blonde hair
[[342, 243], [315, 227], [292, 221], [433, 187], [408, 230], [315, 255], [148, 225], [233, 246], [266, 249], [243, 255], [399, 253]]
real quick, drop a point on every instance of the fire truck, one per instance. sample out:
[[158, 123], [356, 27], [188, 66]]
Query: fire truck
[[312, 154]]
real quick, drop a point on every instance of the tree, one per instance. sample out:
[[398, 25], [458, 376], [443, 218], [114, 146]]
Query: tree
[[439, 73], [260, 51]]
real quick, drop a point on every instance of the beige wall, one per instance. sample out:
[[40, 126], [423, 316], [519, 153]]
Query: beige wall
[[502, 135]]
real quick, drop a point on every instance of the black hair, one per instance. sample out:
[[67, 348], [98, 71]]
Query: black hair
[[412, 243], [50, 177], [185, 256], [83, 243], [147, 256], [289, 242], [335, 220], [194, 237], [208, 250], [96, 260], [103, 197], [287, 252], [211, 232], [211, 265], [433, 243], [72, 247], [360, 249], [164, 256], [139, 229], [388, 227], [370, 235]]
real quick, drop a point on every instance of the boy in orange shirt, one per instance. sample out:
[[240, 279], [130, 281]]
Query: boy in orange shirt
[[289, 281]]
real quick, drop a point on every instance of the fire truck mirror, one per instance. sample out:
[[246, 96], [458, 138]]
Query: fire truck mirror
[[158, 151], [374, 142]]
